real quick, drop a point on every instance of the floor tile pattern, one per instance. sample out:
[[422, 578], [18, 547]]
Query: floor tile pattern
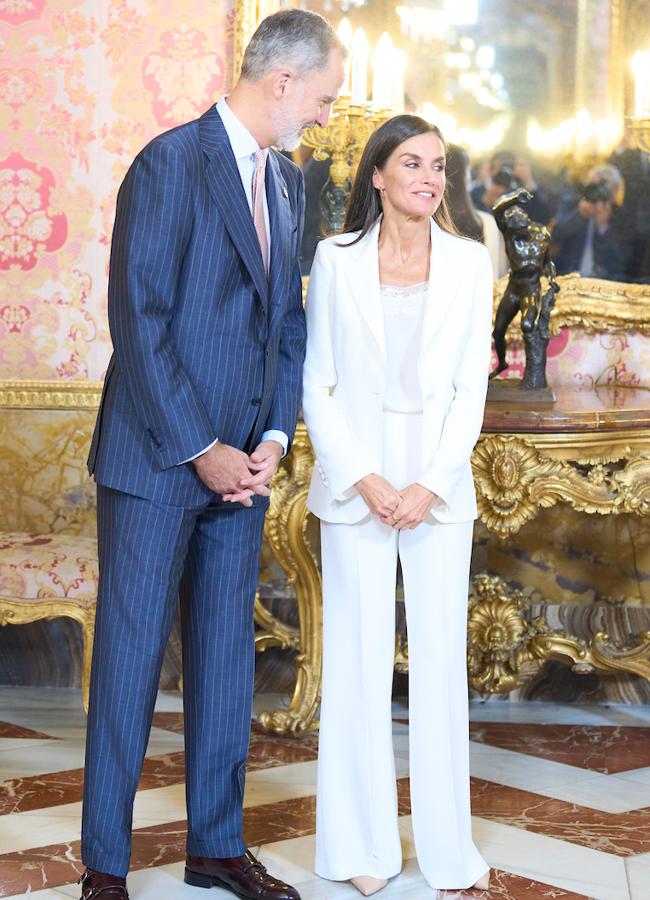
[[560, 801]]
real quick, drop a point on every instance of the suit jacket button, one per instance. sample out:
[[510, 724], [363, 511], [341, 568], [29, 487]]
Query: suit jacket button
[[256, 401]]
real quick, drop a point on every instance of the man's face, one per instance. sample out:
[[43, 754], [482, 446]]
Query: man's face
[[307, 101]]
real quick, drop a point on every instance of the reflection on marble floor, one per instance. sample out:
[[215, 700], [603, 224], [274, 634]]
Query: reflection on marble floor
[[561, 802]]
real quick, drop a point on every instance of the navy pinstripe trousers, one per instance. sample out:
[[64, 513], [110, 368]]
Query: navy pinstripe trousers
[[148, 551]]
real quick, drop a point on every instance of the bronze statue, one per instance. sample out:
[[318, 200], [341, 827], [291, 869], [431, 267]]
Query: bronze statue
[[527, 245]]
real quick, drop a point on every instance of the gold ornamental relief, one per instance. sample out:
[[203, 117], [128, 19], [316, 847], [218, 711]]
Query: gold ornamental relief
[[285, 530], [50, 394], [497, 661], [514, 481], [506, 646]]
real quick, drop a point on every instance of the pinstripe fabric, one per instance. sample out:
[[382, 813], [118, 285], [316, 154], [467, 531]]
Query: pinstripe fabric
[[217, 600], [217, 547], [206, 346]]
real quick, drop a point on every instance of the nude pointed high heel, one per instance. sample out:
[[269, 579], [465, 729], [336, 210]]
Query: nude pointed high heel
[[483, 884], [368, 885]]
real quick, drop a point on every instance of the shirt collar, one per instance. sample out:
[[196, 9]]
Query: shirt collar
[[241, 140]]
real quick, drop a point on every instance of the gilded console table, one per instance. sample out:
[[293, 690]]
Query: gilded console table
[[590, 450]]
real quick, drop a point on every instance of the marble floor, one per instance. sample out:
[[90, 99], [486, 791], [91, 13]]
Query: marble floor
[[561, 802]]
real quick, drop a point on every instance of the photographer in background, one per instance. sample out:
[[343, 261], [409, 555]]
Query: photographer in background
[[594, 239], [507, 173]]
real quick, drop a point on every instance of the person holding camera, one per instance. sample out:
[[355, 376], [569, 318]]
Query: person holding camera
[[507, 174], [594, 239]]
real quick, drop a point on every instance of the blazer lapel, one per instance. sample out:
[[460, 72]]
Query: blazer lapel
[[443, 281], [227, 192], [362, 273], [277, 197]]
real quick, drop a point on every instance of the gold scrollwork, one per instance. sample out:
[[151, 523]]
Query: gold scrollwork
[[14, 611], [344, 138], [514, 480], [273, 632], [506, 647], [286, 532]]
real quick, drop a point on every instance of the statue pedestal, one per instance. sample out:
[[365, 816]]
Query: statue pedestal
[[511, 390]]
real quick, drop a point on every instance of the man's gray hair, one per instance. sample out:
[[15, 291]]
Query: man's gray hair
[[296, 38]]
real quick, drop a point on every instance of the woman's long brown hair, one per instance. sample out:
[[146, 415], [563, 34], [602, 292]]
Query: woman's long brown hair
[[364, 206], [459, 201]]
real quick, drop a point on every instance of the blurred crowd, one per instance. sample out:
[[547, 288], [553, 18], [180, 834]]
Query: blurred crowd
[[600, 225]]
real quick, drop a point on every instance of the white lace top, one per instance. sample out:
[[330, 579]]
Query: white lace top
[[403, 309]]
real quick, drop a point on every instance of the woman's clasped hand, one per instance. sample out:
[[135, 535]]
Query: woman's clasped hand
[[403, 510]]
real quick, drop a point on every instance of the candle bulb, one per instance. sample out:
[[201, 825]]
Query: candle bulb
[[344, 31], [382, 60], [397, 81], [359, 66], [641, 69]]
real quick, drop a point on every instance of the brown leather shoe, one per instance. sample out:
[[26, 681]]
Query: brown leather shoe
[[243, 875], [102, 886]]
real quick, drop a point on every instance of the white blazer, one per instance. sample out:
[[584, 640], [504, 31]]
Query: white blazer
[[345, 372]]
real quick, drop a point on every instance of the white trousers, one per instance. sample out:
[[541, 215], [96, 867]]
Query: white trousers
[[356, 821]]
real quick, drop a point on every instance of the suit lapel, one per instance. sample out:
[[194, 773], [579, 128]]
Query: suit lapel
[[362, 273], [443, 281], [227, 192], [277, 197]]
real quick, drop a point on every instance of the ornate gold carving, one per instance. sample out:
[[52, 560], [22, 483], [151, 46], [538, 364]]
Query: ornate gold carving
[[593, 305], [344, 137], [285, 531], [506, 646], [514, 480], [51, 394], [401, 663], [14, 611], [272, 632]]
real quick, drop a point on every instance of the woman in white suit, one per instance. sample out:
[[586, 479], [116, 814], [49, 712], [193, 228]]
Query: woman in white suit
[[399, 319]]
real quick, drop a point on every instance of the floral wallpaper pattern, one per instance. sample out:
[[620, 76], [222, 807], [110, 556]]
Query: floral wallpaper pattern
[[84, 84]]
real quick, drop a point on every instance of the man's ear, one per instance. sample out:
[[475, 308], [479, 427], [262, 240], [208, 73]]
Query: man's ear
[[280, 82]]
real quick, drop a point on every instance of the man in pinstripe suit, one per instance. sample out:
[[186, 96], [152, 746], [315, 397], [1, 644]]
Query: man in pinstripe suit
[[200, 402]]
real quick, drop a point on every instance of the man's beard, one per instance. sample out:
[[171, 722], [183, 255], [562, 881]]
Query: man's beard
[[289, 135], [289, 132], [290, 138]]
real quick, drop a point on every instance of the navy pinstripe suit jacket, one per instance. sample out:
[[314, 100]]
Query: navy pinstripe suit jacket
[[205, 346]]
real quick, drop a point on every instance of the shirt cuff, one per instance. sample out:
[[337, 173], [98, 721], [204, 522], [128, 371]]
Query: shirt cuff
[[200, 453], [278, 436]]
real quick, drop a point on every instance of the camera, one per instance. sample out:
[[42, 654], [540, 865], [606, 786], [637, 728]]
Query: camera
[[597, 192]]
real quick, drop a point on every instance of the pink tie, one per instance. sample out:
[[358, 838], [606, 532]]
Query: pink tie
[[258, 206]]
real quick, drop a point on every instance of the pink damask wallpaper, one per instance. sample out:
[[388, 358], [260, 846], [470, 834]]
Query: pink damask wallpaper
[[84, 84]]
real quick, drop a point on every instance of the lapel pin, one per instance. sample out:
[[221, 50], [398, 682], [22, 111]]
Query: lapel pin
[[285, 193]]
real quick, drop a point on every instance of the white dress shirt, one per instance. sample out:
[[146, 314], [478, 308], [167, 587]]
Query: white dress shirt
[[244, 146]]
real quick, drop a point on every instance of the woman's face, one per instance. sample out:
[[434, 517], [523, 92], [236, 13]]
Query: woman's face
[[413, 177]]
